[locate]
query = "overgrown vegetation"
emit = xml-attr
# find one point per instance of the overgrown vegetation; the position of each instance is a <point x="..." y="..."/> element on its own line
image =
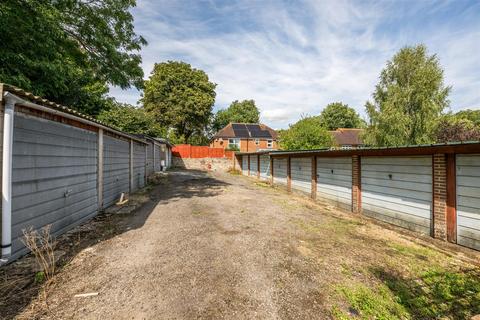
<point x="70" y="51"/>
<point x="408" y="100"/>
<point x="42" y="245"/>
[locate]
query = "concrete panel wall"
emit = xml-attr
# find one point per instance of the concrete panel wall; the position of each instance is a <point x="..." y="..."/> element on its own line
<point x="301" y="173"/>
<point x="116" y="169"/>
<point x="54" y="176"/>
<point x="334" y="180"/>
<point x="398" y="190"/>
<point x="245" y="165"/>
<point x="138" y="166"/>
<point x="253" y="165"/>
<point x="280" y="171"/>
<point x="264" y="167"/>
<point x="468" y="200"/>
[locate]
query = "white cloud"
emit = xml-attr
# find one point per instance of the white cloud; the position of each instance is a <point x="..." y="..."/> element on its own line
<point x="295" y="59"/>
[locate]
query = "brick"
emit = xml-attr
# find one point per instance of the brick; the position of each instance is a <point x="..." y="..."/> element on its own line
<point x="440" y="196"/>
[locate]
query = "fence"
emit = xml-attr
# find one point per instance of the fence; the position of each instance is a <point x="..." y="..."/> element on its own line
<point x="65" y="167"/>
<point x="189" y="151"/>
<point x="432" y="190"/>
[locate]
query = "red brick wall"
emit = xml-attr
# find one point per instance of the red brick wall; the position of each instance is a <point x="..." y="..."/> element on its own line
<point x="356" y="185"/>
<point x="440" y="196"/>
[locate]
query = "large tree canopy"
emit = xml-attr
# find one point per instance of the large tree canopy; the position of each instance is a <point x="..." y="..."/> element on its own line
<point x="180" y="97"/>
<point x="306" y="134"/>
<point x="242" y="112"/>
<point x="338" y="115"/>
<point x="131" y="119"/>
<point x="408" y="100"/>
<point x="69" y="51"/>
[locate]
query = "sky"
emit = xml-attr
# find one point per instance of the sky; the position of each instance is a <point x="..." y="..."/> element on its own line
<point x="295" y="57"/>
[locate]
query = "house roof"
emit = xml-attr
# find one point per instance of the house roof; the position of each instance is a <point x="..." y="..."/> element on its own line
<point x="246" y="130"/>
<point x="347" y="136"/>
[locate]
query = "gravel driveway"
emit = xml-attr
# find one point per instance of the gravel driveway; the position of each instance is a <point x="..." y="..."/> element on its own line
<point x="220" y="246"/>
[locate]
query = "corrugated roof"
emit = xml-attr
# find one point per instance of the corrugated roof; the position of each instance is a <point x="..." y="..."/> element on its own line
<point x="55" y="106"/>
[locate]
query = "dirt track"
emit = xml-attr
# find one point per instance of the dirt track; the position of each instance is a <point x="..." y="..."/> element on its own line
<point x="221" y="247"/>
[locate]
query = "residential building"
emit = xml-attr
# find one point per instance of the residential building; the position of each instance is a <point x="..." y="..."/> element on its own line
<point x="245" y="137"/>
<point x="347" y="138"/>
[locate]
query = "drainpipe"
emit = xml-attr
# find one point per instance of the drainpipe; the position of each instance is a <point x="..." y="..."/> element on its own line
<point x="8" y="115"/>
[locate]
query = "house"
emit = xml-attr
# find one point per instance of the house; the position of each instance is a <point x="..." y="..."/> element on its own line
<point x="347" y="138"/>
<point x="245" y="137"/>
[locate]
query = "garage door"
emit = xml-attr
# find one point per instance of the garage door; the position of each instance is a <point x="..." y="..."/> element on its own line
<point x="398" y="190"/>
<point x="468" y="201"/>
<point x="254" y="165"/>
<point x="301" y="171"/>
<point x="334" y="180"/>
<point x="116" y="169"/>
<point x="245" y="165"/>
<point x="139" y="157"/>
<point x="280" y="171"/>
<point x="264" y="167"/>
<point x="54" y="179"/>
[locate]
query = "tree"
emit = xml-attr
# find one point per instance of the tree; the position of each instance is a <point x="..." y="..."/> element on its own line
<point x="472" y="115"/>
<point x="455" y="128"/>
<point x="180" y="97"/>
<point x="69" y="51"/>
<point x="241" y="112"/>
<point x="338" y="115"/>
<point x="306" y="134"/>
<point x="408" y="100"/>
<point x="131" y="119"/>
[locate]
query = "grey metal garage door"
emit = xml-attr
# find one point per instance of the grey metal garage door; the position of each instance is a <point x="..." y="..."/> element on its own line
<point x="301" y="172"/>
<point x="253" y="165"/>
<point x="264" y="167"/>
<point x="116" y="169"/>
<point x="280" y="170"/>
<point x="398" y="190"/>
<point x="245" y="165"/>
<point x="54" y="176"/>
<point x="150" y="164"/>
<point x="138" y="166"/>
<point x="468" y="200"/>
<point x="334" y="180"/>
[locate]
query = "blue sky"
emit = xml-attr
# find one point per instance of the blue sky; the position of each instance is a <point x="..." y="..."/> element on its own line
<point x="295" y="57"/>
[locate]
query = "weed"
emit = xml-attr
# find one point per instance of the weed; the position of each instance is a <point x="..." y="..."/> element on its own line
<point x="40" y="277"/>
<point x="370" y="303"/>
<point x="234" y="172"/>
<point x="436" y="292"/>
<point x="262" y="184"/>
<point x="42" y="245"/>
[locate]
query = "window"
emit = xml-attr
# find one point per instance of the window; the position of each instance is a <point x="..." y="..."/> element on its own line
<point x="269" y="143"/>
<point x="346" y="147"/>
<point x="234" y="143"/>
<point x="257" y="142"/>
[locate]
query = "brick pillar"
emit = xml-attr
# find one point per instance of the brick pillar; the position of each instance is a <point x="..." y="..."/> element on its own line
<point x="356" y="184"/>
<point x="440" y="196"/>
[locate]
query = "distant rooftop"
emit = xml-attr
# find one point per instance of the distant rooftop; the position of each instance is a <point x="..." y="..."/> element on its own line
<point x="246" y="131"/>
<point x="347" y="136"/>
